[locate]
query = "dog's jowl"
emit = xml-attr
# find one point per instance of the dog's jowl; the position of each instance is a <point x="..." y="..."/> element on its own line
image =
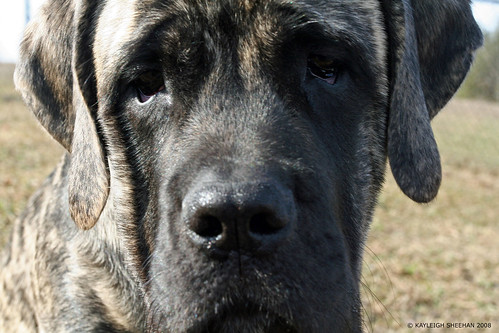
<point x="223" y="157"/>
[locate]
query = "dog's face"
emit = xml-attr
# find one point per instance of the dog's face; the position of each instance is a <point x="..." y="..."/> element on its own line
<point x="255" y="135"/>
<point x="239" y="146"/>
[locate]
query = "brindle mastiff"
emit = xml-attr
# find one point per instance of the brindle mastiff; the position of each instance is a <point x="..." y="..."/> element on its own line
<point x="223" y="157"/>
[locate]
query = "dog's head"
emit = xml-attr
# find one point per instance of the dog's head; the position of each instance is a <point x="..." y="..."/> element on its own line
<point x="240" y="145"/>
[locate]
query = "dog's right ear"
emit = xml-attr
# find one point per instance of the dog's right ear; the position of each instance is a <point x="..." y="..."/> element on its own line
<point x="56" y="78"/>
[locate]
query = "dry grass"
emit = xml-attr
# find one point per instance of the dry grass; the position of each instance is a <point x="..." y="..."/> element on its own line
<point x="424" y="263"/>
<point x="27" y="153"/>
<point x="440" y="262"/>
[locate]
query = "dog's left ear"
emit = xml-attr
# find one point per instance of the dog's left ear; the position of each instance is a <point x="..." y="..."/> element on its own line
<point x="431" y="47"/>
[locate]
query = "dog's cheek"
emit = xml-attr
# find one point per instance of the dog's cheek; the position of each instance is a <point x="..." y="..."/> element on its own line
<point x="351" y="126"/>
<point x="138" y="134"/>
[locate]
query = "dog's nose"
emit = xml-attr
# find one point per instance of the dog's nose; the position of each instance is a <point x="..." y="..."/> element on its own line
<point x="251" y="217"/>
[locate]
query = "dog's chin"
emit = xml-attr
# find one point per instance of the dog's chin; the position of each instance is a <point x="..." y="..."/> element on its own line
<point x="249" y="317"/>
<point x="252" y="318"/>
<point x="242" y="319"/>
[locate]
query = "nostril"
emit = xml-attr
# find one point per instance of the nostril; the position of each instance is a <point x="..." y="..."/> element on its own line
<point x="208" y="226"/>
<point x="264" y="224"/>
<point x="252" y="217"/>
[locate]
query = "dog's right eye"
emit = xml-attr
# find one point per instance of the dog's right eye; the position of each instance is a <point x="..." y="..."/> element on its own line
<point x="148" y="85"/>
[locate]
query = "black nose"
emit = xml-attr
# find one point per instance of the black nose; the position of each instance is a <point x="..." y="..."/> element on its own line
<point x="251" y="217"/>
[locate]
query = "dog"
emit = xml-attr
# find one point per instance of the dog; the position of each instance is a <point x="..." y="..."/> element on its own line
<point x="223" y="157"/>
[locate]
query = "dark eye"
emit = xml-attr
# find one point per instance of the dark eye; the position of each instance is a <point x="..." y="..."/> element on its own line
<point x="323" y="68"/>
<point x="149" y="84"/>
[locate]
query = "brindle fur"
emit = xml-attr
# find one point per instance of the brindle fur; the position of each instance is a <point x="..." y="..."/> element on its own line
<point x="240" y="113"/>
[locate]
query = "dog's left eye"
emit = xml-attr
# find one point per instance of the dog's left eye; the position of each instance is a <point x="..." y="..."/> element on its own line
<point x="149" y="84"/>
<point x="323" y="68"/>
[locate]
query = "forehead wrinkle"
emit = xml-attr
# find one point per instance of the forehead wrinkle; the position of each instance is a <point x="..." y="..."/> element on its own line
<point x="266" y="28"/>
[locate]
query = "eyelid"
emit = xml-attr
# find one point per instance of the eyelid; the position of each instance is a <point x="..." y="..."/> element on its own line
<point x="323" y="61"/>
<point x="133" y="72"/>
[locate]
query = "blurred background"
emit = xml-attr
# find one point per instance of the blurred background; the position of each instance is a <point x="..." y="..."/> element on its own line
<point x="434" y="263"/>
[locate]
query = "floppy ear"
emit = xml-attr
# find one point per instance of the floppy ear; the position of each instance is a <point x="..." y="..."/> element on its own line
<point x="56" y="77"/>
<point x="431" y="46"/>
